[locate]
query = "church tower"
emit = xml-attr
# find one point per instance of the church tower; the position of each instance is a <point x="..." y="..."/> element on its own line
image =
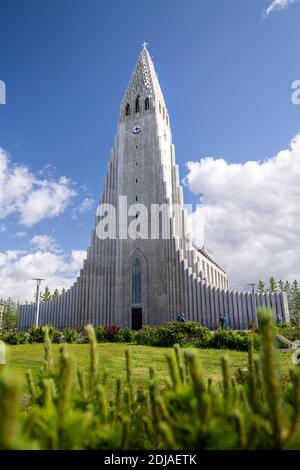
<point x="146" y="270"/>
<point x="142" y="272"/>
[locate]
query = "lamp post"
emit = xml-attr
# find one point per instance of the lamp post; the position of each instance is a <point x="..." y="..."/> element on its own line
<point x="38" y="283"/>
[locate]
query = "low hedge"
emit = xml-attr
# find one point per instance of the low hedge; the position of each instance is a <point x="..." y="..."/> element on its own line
<point x="291" y="332"/>
<point x="192" y="333"/>
<point x="125" y="335"/>
<point x="182" y="333"/>
<point x="235" y="340"/>
<point x="174" y="333"/>
<point x="114" y="334"/>
<point x="14" y="338"/>
<point x="70" y="335"/>
<point x="36" y="334"/>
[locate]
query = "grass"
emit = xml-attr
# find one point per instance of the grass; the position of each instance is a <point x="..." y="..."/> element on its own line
<point x="112" y="361"/>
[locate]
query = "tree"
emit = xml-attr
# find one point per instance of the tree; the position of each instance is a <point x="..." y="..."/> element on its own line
<point x="261" y="288"/>
<point x="281" y="285"/>
<point x="46" y="295"/>
<point x="294" y="290"/>
<point x="273" y="288"/>
<point x="293" y="294"/>
<point x="287" y="287"/>
<point x="34" y="297"/>
<point x="55" y="294"/>
<point x="10" y="313"/>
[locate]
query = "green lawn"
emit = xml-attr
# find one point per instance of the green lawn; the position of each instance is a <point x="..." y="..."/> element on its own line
<point x="112" y="360"/>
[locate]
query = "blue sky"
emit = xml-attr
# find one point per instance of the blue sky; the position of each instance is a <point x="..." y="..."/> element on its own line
<point x="226" y="74"/>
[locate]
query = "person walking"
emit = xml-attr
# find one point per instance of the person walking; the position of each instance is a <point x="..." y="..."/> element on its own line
<point x="222" y="320"/>
<point x="181" y="317"/>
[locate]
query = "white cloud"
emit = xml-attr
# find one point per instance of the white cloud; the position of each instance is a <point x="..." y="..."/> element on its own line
<point x="277" y="5"/>
<point x="45" y="243"/>
<point x="84" y="206"/>
<point x="17" y="268"/>
<point x="20" y="234"/>
<point x="31" y="198"/>
<point x="252" y="214"/>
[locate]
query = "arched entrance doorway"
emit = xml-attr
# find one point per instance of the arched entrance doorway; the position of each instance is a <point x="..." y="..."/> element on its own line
<point x="136" y="290"/>
<point x="137" y="309"/>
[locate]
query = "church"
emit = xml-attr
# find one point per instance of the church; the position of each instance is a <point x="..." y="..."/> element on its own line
<point x="157" y="273"/>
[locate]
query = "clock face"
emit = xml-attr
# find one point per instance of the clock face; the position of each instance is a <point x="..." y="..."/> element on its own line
<point x="136" y="129"/>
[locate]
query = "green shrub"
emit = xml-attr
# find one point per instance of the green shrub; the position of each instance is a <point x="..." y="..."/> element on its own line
<point x="14" y="338"/>
<point x="291" y="332"/>
<point x="145" y="336"/>
<point x="55" y="336"/>
<point x="125" y="335"/>
<point x="235" y="340"/>
<point x="101" y="335"/>
<point x="70" y="335"/>
<point x="36" y="334"/>
<point x="167" y="335"/>
<point x="193" y="332"/>
<point x="174" y="333"/>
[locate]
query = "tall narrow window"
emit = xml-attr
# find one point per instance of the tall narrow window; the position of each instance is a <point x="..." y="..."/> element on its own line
<point x="137" y="104"/>
<point x="147" y="104"/>
<point x="127" y="109"/>
<point x="136" y="283"/>
<point x="159" y="107"/>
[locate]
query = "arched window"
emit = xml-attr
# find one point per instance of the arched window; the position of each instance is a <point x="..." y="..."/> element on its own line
<point x="127" y="109"/>
<point x="137" y="104"/>
<point x="147" y="104"/>
<point x="136" y="283"/>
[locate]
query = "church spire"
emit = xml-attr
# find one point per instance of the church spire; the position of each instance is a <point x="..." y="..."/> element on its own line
<point x="144" y="81"/>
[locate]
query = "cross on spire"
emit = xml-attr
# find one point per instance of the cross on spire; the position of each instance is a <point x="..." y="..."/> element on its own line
<point x="145" y="44"/>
